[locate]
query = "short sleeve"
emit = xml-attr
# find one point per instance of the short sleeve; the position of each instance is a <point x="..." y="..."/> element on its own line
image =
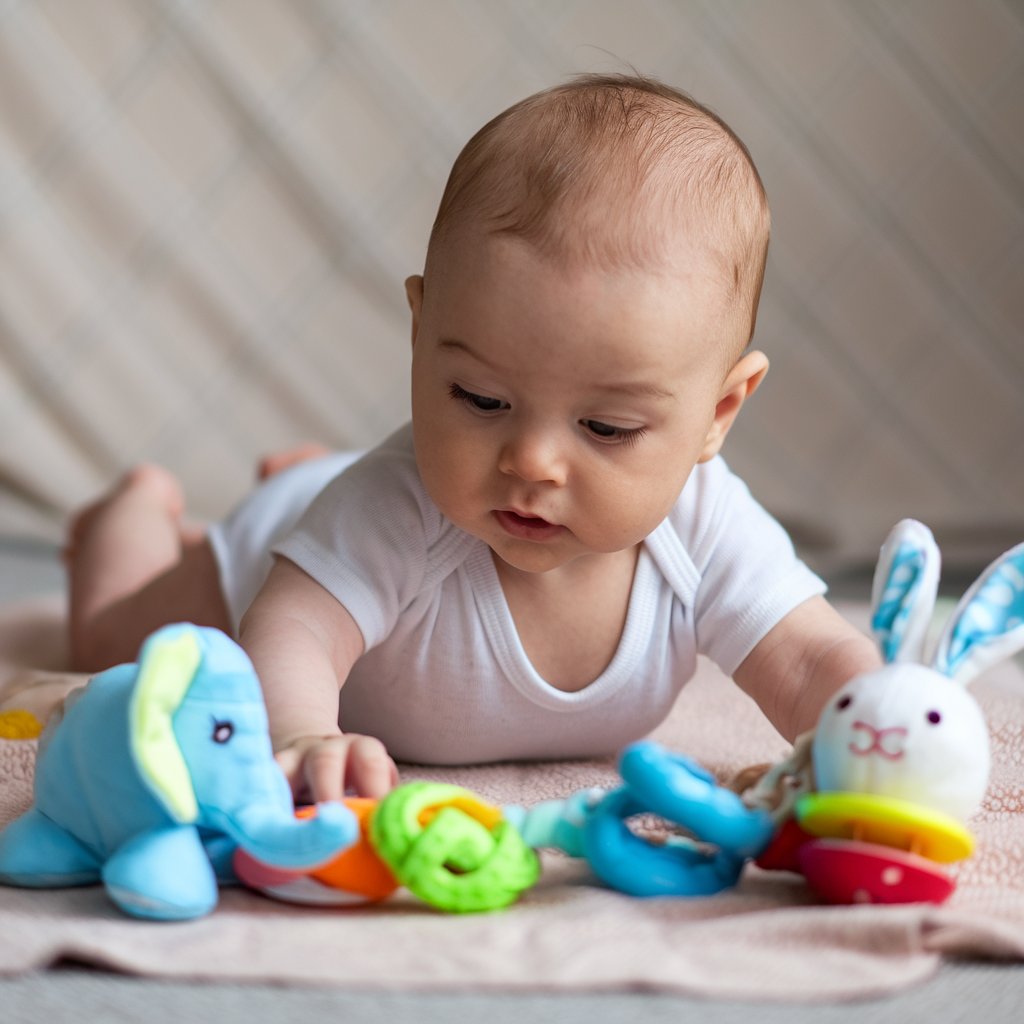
<point x="750" y="575"/>
<point x="366" y="539"/>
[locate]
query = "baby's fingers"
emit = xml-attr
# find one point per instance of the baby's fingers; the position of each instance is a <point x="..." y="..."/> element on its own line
<point x="289" y="760"/>
<point x="370" y="771"/>
<point x="324" y="769"/>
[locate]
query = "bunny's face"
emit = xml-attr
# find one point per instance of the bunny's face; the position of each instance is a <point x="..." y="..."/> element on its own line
<point x="905" y="732"/>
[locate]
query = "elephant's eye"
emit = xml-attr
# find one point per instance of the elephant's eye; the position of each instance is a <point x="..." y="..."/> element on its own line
<point x="222" y="731"/>
<point x="844" y="702"/>
<point x="934" y="717"/>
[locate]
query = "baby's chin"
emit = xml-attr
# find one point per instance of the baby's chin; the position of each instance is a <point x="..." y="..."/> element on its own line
<point x="532" y="557"/>
<point x="526" y="566"/>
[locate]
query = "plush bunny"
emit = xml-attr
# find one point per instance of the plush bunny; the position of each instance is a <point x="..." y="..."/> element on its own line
<point x="911" y="731"/>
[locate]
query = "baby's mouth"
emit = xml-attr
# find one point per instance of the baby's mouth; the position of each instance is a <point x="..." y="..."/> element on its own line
<point x="526" y="520"/>
<point x="525" y="527"/>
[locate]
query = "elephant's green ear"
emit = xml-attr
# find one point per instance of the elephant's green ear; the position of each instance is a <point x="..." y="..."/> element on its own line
<point x="167" y="666"/>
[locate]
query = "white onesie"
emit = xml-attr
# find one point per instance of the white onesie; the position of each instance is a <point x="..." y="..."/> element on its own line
<point x="445" y="679"/>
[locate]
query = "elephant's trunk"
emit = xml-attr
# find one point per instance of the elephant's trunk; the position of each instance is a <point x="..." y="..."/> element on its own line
<point x="288" y="842"/>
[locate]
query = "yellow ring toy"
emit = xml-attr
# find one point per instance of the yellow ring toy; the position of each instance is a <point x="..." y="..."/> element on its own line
<point x="886" y="821"/>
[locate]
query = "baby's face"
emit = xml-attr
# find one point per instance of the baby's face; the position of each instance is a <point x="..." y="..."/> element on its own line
<point x="558" y="412"/>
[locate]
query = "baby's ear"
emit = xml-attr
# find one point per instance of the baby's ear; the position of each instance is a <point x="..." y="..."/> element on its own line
<point x="743" y="380"/>
<point x="414" y="296"/>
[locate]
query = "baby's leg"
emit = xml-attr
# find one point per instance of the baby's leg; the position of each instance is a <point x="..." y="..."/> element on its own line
<point x="133" y="568"/>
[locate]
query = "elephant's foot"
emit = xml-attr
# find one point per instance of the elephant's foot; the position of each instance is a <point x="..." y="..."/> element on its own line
<point x="163" y="875"/>
<point x="37" y="853"/>
<point x="220" y="852"/>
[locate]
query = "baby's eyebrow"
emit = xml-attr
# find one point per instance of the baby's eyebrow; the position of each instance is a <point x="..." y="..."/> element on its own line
<point x="454" y="345"/>
<point x="638" y="389"/>
<point x="631" y="389"/>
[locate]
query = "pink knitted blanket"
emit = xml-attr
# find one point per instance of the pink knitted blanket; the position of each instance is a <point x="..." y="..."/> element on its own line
<point x="765" y="939"/>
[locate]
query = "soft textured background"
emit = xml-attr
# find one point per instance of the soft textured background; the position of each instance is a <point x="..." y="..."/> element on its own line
<point x="207" y="208"/>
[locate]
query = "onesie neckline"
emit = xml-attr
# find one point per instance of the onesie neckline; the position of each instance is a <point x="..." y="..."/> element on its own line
<point x="501" y="632"/>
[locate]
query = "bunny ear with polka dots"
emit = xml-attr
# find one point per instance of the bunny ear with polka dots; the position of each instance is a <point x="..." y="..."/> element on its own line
<point x="904" y="589"/>
<point x="988" y="623"/>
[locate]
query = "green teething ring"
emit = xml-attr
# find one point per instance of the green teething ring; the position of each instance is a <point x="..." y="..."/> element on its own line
<point x="450" y="849"/>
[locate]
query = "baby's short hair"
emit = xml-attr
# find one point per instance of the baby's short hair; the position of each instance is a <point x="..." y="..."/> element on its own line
<point x="615" y="170"/>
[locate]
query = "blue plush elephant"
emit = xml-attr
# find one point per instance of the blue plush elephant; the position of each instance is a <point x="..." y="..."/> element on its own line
<point x="154" y="774"/>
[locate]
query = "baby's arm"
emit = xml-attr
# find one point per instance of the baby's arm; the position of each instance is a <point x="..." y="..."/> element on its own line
<point x="801" y="662"/>
<point x="303" y="643"/>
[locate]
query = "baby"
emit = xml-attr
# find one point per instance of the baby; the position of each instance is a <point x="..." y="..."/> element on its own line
<point x="531" y="567"/>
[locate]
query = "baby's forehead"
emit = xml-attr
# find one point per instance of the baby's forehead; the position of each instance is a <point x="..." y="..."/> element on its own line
<point x="484" y="279"/>
<point x="599" y="243"/>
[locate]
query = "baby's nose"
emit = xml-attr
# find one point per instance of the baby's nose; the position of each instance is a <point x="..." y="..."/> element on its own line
<point x="534" y="456"/>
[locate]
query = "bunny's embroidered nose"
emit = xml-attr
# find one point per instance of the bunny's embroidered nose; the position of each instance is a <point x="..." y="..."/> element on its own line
<point x="887" y="743"/>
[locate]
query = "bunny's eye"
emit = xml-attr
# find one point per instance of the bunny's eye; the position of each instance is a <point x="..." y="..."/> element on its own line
<point x="934" y="717"/>
<point x="843" y="703"/>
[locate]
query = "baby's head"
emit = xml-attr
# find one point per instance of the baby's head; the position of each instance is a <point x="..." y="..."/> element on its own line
<point x="591" y="284"/>
<point x="616" y="172"/>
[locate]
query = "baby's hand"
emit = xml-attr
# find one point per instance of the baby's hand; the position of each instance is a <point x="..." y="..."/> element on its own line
<point x="322" y="767"/>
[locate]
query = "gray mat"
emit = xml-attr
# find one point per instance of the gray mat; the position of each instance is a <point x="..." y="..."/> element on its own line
<point x="968" y="992"/>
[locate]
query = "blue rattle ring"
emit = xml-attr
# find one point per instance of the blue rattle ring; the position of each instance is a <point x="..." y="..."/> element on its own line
<point x="682" y="791"/>
<point x="678" y="790"/>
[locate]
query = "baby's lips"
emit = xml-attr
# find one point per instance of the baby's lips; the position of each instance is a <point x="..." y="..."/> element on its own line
<point x="527" y="517"/>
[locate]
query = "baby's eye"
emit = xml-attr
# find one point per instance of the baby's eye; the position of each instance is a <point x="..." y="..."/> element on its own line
<point x="618" y="435"/>
<point x="482" y="403"/>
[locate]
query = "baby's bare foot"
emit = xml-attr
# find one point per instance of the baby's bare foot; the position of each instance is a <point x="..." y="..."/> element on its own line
<point x="118" y="548"/>
<point x="146" y="483"/>
<point x="277" y="461"/>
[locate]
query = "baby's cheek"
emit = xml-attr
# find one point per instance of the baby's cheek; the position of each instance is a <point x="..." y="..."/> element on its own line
<point x="618" y="517"/>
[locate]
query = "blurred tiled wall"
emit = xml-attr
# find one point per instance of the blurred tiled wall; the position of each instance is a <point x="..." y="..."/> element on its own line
<point x="207" y="209"/>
